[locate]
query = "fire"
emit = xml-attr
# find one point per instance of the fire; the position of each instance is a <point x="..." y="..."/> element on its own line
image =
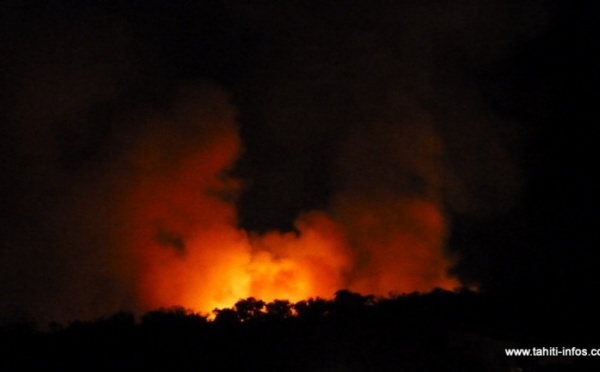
<point x="297" y="266"/>
<point x="179" y="218"/>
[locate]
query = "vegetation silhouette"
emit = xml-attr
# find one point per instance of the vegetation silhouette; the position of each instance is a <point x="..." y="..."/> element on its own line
<point x="438" y="331"/>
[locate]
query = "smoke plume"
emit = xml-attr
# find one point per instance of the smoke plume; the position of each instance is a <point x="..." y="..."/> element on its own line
<point x="164" y="155"/>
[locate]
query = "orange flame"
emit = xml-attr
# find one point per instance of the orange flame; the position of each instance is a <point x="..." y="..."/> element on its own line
<point x="181" y="227"/>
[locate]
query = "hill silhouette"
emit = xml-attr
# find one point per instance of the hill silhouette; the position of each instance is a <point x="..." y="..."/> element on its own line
<point x="437" y="331"/>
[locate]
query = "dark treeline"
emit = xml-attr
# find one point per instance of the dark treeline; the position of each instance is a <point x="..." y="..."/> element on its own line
<point x="438" y="331"/>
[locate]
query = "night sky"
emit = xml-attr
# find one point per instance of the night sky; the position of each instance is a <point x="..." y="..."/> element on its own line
<point x="438" y="143"/>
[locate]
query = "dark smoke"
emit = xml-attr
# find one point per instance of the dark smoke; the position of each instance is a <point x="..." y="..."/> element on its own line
<point x="377" y="110"/>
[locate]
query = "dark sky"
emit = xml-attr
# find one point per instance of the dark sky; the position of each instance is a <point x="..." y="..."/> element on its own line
<point x="485" y="110"/>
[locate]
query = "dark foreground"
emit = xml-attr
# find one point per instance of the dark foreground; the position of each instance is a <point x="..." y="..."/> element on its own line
<point x="440" y="331"/>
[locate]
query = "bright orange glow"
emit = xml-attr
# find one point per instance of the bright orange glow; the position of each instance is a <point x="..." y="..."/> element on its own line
<point x="179" y="222"/>
<point x="295" y="267"/>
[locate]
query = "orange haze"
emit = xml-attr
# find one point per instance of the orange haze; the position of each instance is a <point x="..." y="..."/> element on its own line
<point x="180" y="223"/>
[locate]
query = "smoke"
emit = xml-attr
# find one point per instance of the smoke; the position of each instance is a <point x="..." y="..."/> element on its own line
<point x="391" y="205"/>
<point x="177" y="218"/>
<point x="62" y="90"/>
<point x="187" y="165"/>
<point x="384" y="232"/>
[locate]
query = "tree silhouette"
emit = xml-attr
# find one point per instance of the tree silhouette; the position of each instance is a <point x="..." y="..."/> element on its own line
<point x="440" y="330"/>
<point x="175" y="319"/>
<point x="249" y="308"/>
<point x="225" y="317"/>
<point x="351" y="303"/>
<point x="279" y="309"/>
<point x="312" y="308"/>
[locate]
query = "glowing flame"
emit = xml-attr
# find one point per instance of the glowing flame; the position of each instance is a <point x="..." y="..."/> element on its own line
<point x="294" y="267"/>
<point x="180" y="220"/>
